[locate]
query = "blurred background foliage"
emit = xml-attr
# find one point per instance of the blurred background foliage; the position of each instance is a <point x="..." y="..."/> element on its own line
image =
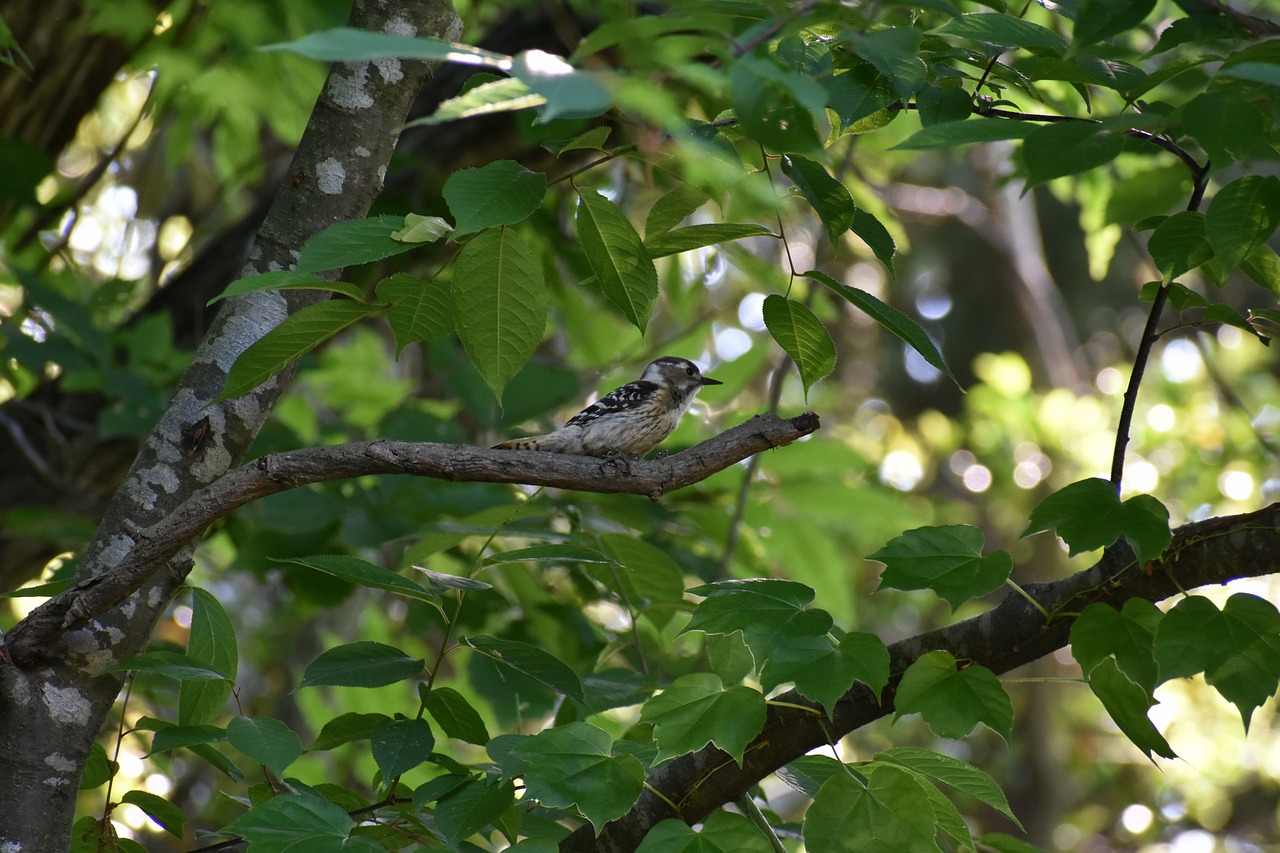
<point x="1032" y="297"/>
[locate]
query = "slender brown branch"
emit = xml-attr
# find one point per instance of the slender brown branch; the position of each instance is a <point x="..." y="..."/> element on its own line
<point x="267" y="475"/>
<point x="1009" y="635"/>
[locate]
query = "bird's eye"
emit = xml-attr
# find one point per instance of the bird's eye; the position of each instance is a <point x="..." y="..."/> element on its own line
<point x="691" y="370"/>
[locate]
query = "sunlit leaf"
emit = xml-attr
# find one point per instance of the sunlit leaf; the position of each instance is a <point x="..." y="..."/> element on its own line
<point x="1089" y="514"/>
<point x="500" y="304"/>
<point x="354" y="242"/>
<point x="499" y="193"/>
<point x="947" y="560"/>
<point x="693" y="237"/>
<point x="1241" y="216"/>
<point x="347" y="44"/>
<point x="1237" y="648"/>
<point x="892" y="814"/>
<point x="802" y="336"/>
<point x="960" y="775"/>
<point x="1128" y="702"/>
<point x="401" y="744"/>
<point x="288" y="280"/>
<point x="1100" y="631"/>
<point x="455" y="715"/>
<point x="828" y="197"/>
<point x="265" y="740"/>
<point x="1002" y="30"/>
<point x="361" y="664"/>
<point x="722" y="832"/>
<point x="419" y="309"/>
<point x="952" y="701"/>
<point x="298" y="334"/>
<point x="168" y="816"/>
<point x="1179" y="244"/>
<point x="534" y="662"/>
<point x="696" y="709"/>
<point x="211" y="639"/>
<point x="618" y="257"/>
<point x="574" y="765"/>
<point x="890" y="318"/>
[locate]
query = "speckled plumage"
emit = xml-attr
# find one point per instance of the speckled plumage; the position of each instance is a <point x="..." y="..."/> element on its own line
<point x="632" y="419"/>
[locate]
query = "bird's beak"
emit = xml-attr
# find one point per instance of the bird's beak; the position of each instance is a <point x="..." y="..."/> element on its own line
<point x="707" y="380"/>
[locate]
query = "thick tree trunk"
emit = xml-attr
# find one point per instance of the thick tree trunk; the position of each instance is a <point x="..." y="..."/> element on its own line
<point x="50" y="714"/>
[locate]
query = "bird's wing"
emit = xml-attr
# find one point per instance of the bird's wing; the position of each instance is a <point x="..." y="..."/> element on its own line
<point x="621" y="399"/>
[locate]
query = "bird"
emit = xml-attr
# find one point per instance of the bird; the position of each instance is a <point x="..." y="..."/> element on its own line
<point x="630" y="420"/>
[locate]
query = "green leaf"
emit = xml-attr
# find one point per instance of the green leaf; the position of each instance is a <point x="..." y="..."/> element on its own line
<point x="569" y="92"/>
<point x="1241" y="216"/>
<point x="1100" y="632"/>
<point x="1098" y="20"/>
<point x="943" y="105"/>
<point x="1237" y="648"/>
<point x="174" y="665"/>
<point x="401" y="744"/>
<point x="808" y="773"/>
<point x="573" y="764"/>
<point x="696" y="709"/>
<point x="347" y="44"/>
<point x="534" y="662"/>
<point x="361" y="664"/>
<point x="1128" y="702"/>
<point x="1088" y="515"/>
<point x="168" y="816"/>
<point x="346" y="728"/>
<point x="1263" y="266"/>
<point x="828" y="197"/>
<point x="298" y="334"/>
<point x="877" y="237"/>
<point x="1001" y="842"/>
<point x="420" y="309"/>
<point x="618" y="257"/>
<point x="777" y="108"/>
<point x="364" y="573"/>
<point x="953" y="772"/>
<point x="553" y="553"/>
<point x="857" y="94"/>
<point x="499" y="193"/>
<point x="723" y="832"/>
<point x="211" y="639"/>
<point x="1179" y="244"/>
<point x="1068" y="148"/>
<point x="672" y="209"/>
<point x="471" y="807"/>
<point x="592" y="140"/>
<point x="293" y="822"/>
<point x="500" y="304"/>
<point x="953" y="701"/>
<point x="947" y="560"/>
<point x="356" y="241"/>
<point x="890" y="318"/>
<point x="697" y="236"/>
<point x="648" y="574"/>
<point x="823" y="670"/>
<point x="98" y="769"/>
<point x="265" y="740"/>
<point x="455" y="715"/>
<point x="767" y="612"/>
<point x="1001" y="30"/>
<point x="422" y="229"/>
<point x="802" y="336"/>
<point x="894" y="52"/>
<point x="952" y="133"/>
<point x="497" y="96"/>
<point x="287" y="280"/>
<point x="1226" y="125"/>
<point x="892" y="814"/>
<point x="178" y="737"/>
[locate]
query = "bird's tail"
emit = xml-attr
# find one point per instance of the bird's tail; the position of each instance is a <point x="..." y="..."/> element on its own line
<point x="529" y="442"/>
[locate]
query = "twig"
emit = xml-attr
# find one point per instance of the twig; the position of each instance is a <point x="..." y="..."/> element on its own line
<point x="36" y="635"/>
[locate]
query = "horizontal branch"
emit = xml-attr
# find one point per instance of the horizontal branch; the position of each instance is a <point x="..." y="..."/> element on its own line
<point x="34" y="637"/>
<point x="1009" y="635"/>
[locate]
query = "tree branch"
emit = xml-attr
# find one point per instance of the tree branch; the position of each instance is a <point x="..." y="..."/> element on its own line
<point x="155" y="545"/>
<point x="1009" y="635"/>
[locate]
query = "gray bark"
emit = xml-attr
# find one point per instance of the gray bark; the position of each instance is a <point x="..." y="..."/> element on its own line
<point x="51" y="713"/>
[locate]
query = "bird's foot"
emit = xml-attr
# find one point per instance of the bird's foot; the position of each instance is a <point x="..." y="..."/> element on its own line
<point x="615" y="463"/>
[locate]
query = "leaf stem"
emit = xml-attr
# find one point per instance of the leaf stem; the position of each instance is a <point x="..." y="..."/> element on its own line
<point x="1022" y="592"/>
